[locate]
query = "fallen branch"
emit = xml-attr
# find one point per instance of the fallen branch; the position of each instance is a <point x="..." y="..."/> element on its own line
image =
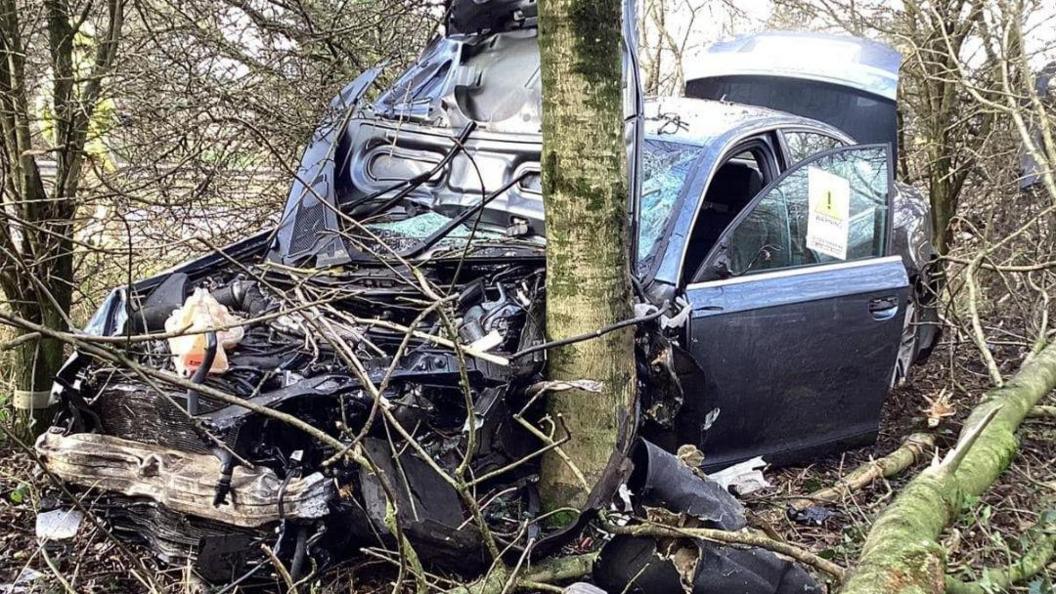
<point x="912" y="450"/>
<point x="561" y="569"/>
<point x="547" y="572"/>
<point x="746" y="537"/>
<point x="901" y="554"/>
<point x="1033" y="561"/>
<point x="1042" y="412"/>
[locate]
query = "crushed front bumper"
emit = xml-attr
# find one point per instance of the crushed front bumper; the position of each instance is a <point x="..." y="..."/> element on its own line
<point x="184" y="482"/>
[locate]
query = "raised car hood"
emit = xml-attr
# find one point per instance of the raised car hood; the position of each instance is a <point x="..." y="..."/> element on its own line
<point x="847" y="82"/>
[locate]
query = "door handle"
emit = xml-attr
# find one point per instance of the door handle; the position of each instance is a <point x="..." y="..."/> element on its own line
<point x="883" y="308"/>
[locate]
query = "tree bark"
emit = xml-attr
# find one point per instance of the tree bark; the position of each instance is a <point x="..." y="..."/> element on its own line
<point x="902" y="554"/>
<point x="584" y="173"/>
<point x="35" y="364"/>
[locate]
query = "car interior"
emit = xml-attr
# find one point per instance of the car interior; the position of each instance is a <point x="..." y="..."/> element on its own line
<point x="733" y="186"/>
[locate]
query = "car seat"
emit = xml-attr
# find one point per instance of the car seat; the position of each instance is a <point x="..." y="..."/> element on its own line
<point x="731" y="189"/>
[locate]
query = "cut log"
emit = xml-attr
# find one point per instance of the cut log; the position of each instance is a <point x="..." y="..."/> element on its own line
<point x="901" y="554"/>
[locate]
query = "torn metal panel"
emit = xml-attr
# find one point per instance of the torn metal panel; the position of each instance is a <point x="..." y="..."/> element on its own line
<point x="183" y="481"/>
<point x="308" y="224"/>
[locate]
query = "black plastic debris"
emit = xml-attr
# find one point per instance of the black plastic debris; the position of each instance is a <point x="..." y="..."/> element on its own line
<point x="660" y="479"/>
<point x="634" y="565"/>
<point x="427" y="508"/>
<point x="815" y="515"/>
<point x="160" y="304"/>
<point x="469" y="16"/>
<point x="644" y="565"/>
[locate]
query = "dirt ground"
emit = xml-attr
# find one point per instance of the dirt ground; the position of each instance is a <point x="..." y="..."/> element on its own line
<point x="990" y="533"/>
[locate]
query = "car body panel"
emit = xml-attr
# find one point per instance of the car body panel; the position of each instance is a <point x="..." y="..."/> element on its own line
<point x="856" y="63"/>
<point x="312" y="193"/>
<point x="848" y="82"/>
<point x="768" y="366"/>
<point x="763" y="342"/>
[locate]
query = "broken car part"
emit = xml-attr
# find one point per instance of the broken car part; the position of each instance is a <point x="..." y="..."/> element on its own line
<point x="660" y="566"/>
<point x="638" y="565"/>
<point x="181" y="481"/>
<point x="662" y="480"/>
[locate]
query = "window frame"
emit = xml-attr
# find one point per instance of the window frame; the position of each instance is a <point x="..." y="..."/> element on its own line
<point x="708" y="271"/>
<point x="786" y="153"/>
<point x="767" y="144"/>
<point x="656" y="253"/>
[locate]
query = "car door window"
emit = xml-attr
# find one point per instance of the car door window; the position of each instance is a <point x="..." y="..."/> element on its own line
<point x="802" y="144"/>
<point x="833" y="207"/>
<point x="736" y="181"/>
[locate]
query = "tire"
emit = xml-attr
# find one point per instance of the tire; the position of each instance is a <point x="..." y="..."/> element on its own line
<point x="908" y="347"/>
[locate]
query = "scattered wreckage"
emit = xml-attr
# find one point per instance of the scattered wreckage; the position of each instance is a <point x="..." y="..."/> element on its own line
<point x="397" y="310"/>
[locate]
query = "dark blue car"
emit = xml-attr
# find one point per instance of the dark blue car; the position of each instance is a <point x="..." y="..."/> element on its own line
<point x="782" y="273"/>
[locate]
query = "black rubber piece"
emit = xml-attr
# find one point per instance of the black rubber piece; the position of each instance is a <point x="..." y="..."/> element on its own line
<point x="201" y="372"/>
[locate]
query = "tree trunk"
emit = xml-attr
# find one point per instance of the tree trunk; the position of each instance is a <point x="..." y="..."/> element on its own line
<point x="901" y="554"/>
<point x="36" y="256"/>
<point x="34" y="365"/>
<point x="587" y="272"/>
<point x="40" y="290"/>
<point x="45" y="301"/>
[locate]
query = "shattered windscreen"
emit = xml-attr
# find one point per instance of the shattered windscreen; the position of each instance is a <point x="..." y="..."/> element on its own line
<point x="666" y="168"/>
<point x="409" y="232"/>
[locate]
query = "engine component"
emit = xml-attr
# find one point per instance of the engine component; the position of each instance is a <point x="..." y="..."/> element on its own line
<point x="200" y="481"/>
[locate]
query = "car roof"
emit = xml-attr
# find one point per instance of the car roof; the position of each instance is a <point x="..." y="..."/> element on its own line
<point x="705" y="122"/>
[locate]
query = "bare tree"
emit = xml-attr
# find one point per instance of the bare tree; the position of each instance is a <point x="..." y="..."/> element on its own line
<point x="1012" y="250"/>
<point x="36" y="237"/>
<point x="670" y="30"/>
<point x="940" y="140"/>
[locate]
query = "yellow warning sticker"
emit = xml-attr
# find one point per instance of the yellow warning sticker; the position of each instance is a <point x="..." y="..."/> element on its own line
<point x="829" y="207"/>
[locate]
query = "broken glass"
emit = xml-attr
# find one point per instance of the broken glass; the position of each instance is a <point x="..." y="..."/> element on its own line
<point x="666" y="168"/>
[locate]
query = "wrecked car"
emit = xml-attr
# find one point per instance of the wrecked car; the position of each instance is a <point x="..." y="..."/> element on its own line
<point x="395" y="314"/>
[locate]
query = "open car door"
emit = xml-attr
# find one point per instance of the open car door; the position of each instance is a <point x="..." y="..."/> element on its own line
<point x="797" y="315"/>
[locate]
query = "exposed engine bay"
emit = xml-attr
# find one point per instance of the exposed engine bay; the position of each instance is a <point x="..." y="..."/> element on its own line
<point x="195" y="478"/>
